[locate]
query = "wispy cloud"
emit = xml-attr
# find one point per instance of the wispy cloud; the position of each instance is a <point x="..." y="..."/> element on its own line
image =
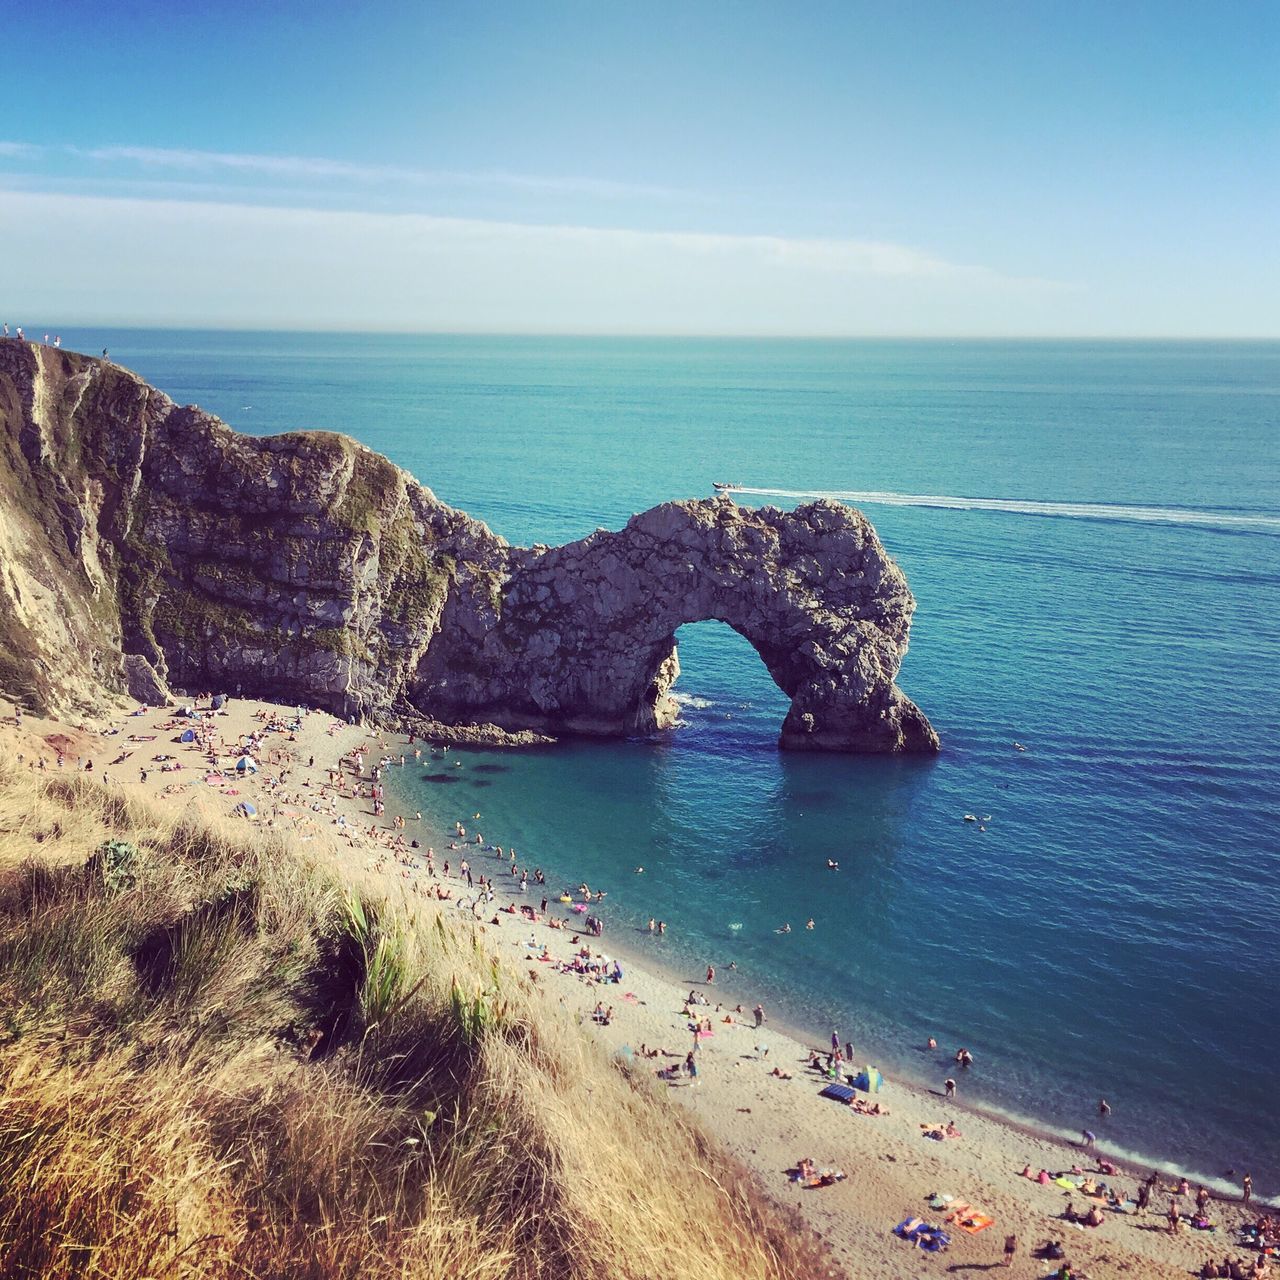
<point x="311" y="168"/>
<point x="205" y="263"/>
<point x="287" y="181"/>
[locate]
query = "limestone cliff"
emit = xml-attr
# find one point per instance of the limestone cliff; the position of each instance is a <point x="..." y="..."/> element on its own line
<point x="143" y="543"/>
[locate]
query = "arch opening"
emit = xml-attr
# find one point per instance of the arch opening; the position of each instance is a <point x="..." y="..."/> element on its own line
<point x="720" y="680"/>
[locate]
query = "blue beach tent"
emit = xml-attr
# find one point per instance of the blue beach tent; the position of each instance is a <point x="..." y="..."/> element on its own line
<point x="188" y="735"/>
<point x="869" y="1080"/>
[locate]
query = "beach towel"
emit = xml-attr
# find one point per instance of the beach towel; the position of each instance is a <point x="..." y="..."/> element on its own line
<point x="1066" y="1182"/>
<point x="974" y="1223"/>
<point x="840" y="1092"/>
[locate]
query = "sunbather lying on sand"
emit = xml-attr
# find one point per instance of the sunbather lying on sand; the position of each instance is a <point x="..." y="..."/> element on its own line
<point x="863" y="1108"/>
<point x="941" y="1132"/>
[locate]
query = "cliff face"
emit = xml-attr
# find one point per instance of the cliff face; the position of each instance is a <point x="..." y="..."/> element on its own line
<point x="141" y="543"/>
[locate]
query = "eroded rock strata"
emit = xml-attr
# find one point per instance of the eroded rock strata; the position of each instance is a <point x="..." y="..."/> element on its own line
<point x="144" y="544"/>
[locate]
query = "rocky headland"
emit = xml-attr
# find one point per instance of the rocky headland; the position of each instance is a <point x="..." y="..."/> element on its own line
<point x="147" y="547"/>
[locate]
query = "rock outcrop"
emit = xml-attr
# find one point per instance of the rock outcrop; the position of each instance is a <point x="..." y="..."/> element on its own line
<point x="143" y="544"/>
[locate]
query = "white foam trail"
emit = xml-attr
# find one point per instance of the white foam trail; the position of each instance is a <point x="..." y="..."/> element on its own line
<point x="1025" y="507"/>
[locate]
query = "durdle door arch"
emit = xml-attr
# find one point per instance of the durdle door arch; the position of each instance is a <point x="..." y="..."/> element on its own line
<point x="303" y="567"/>
<point x="585" y="637"/>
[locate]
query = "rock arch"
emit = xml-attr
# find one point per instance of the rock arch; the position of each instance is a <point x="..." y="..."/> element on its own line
<point x="145" y="544"/>
<point x="583" y="637"/>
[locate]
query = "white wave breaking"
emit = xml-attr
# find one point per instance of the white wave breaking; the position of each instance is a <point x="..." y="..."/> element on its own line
<point x="1029" y="507"/>
<point x="692" y="700"/>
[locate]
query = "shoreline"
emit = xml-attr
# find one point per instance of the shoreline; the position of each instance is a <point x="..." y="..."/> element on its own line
<point x="766" y="1121"/>
<point x="1133" y="1164"/>
<point x="666" y="967"/>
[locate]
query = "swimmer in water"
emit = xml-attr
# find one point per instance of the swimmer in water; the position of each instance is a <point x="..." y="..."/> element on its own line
<point x="786" y="928"/>
<point x="832" y="865"/>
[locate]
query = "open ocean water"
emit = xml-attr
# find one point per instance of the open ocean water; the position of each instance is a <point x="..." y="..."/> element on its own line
<point x="1111" y="600"/>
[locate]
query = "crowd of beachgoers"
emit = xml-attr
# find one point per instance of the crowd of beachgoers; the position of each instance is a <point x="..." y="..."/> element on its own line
<point x="951" y="1179"/>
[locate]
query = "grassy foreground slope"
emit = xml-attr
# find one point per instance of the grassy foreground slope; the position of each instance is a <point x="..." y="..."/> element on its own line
<point x="216" y="1062"/>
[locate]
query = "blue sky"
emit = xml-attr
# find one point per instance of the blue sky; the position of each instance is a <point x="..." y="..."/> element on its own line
<point x="934" y="168"/>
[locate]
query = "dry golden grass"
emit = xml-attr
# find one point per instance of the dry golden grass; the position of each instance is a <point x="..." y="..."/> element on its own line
<point x="214" y="1062"/>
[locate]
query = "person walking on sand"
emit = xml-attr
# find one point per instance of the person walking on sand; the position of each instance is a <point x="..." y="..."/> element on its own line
<point x="1247" y="1185"/>
<point x="949" y="1086"/>
<point x="759" y="1013"/>
<point x="1010" y="1248"/>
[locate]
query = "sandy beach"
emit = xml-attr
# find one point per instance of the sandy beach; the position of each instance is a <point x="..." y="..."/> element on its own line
<point x="755" y="1089"/>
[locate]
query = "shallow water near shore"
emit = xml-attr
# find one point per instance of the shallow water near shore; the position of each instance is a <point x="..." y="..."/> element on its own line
<point x="1113" y="931"/>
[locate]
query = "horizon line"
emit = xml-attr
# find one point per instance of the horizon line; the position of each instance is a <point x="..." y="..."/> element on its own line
<point x="744" y="335"/>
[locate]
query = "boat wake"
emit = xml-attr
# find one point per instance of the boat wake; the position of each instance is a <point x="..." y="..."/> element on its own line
<point x="1026" y="507"/>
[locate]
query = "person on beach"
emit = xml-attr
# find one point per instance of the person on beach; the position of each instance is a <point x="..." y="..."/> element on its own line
<point x="1088" y="1137"/>
<point x="949" y="1087"/>
<point x="1247" y="1186"/>
<point x="759" y="1013"/>
<point x="1010" y="1248"/>
<point x="711" y="975"/>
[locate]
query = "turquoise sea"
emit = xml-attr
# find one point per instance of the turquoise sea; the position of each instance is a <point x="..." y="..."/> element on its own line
<point x="1114" y="606"/>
